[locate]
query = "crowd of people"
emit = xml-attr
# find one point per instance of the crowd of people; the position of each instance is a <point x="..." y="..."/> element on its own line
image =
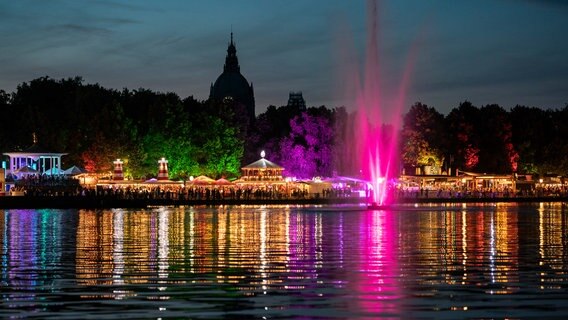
<point x="61" y="186"/>
<point x="46" y="188"/>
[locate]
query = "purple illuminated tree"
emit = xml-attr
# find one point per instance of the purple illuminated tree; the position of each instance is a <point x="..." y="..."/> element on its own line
<point x="307" y="151"/>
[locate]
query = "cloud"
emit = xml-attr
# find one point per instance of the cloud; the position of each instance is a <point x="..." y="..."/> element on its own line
<point x="470" y="51"/>
<point x="122" y="5"/>
<point x="81" y="29"/>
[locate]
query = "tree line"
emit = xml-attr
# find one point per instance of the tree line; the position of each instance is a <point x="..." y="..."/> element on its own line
<point x="487" y="139"/>
<point x="96" y="125"/>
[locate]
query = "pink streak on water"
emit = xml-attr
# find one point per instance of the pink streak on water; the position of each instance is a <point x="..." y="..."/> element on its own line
<point x="377" y="285"/>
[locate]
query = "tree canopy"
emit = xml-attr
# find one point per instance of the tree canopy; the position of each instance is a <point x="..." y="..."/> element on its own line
<point x="96" y="125"/>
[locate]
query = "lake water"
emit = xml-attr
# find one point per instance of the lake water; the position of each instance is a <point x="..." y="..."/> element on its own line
<point x="278" y="262"/>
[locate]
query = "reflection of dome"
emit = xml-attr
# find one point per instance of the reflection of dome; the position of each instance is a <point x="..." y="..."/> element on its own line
<point x="232" y="85"/>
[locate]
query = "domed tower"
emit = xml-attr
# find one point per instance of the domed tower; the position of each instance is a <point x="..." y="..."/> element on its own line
<point x="231" y="85"/>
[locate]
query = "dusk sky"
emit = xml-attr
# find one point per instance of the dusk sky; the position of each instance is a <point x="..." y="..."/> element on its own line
<point x="486" y="51"/>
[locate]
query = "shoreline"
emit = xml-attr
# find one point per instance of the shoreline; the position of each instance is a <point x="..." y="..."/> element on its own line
<point x="82" y="202"/>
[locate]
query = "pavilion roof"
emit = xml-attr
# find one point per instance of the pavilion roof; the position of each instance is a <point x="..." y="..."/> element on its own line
<point x="262" y="164"/>
<point x="35" y="150"/>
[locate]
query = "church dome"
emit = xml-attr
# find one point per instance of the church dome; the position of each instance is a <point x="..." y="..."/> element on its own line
<point x="232" y="85"/>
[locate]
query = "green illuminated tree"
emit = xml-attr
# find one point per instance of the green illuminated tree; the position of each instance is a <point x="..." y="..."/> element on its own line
<point x="422" y="136"/>
<point x="221" y="150"/>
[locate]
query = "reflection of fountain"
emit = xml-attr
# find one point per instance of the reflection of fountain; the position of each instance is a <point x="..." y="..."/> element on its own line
<point x="375" y="143"/>
<point x="377" y="284"/>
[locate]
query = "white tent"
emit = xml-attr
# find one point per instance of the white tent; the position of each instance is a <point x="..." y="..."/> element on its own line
<point x="26" y="170"/>
<point x="53" y="171"/>
<point x="74" y="170"/>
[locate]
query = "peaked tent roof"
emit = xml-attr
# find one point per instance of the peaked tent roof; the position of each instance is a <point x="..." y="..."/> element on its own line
<point x="26" y="169"/>
<point x="262" y="164"/>
<point x="223" y="181"/>
<point x="74" y="170"/>
<point x="53" y="171"/>
<point x="202" y="180"/>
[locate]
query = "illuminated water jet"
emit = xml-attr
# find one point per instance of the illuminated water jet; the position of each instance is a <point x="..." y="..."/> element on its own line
<point x="374" y="129"/>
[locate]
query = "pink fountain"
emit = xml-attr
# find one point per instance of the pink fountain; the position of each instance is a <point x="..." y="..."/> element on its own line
<point x="374" y="130"/>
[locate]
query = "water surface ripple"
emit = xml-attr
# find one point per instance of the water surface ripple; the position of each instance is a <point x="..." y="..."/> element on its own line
<point x="282" y="262"/>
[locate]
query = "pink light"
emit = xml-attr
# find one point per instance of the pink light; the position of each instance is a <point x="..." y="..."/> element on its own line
<point x="375" y="127"/>
<point x="376" y="283"/>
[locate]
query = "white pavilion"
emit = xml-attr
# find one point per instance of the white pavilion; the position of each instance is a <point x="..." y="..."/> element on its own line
<point x="34" y="159"/>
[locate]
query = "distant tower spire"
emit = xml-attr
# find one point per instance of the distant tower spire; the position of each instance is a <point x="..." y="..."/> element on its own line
<point x="231" y="61"/>
<point x="34" y="137"/>
<point x="232" y="84"/>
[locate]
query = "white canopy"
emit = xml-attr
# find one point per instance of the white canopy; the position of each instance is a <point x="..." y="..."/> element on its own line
<point x="53" y="171"/>
<point x="26" y="170"/>
<point x="73" y="171"/>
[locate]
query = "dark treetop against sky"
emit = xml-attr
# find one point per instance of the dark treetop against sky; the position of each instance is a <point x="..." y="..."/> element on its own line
<point x="486" y="51"/>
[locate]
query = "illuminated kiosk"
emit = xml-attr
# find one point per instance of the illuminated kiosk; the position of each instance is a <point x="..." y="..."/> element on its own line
<point x="163" y="175"/>
<point x="118" y="175"/>
<point x="36" y="158"/>
<point x="262" y="171"/>
<point x="263" y="174"/>
<point x="163" y="169"/>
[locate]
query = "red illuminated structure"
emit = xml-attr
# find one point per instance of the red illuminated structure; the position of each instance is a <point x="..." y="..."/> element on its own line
<point x="162" y="169"/>
<point x="118" y="175"/>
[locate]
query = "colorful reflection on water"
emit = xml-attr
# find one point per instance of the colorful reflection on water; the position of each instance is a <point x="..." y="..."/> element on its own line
<point x="445" y="261"/>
